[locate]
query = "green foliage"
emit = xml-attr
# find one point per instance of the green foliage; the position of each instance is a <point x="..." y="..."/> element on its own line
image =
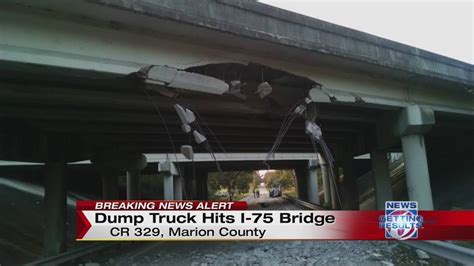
<point x="234" y="182"/>
<point x="255" y="181"/>
<point x="283" y="177"/>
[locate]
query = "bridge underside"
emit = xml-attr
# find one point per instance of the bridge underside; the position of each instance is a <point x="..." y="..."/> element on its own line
<point x="89" y="112"/>
<point x="52" y="114"/>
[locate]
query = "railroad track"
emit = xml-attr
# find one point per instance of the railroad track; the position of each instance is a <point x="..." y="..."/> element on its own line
<point x="75" y="254"/>
<point x="306" y="205"/>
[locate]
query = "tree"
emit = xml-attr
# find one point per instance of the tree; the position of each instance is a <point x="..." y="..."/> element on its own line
<point x="283" y="177"/>
<point x="232" y="181"/>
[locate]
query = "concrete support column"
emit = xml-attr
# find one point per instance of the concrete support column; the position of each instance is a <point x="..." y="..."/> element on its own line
<point x="199" y="192"/>
<point x="113" y="161"/>
<point x="204" y="188"/>
<point x="416" y="167"/>
<point x="350" y="195"/>
<point x="189" y="173"/>
<point x="171" y="172"/>
<point x="168" y="187"/>
<point x="201" y="185"/>
<point x="413" y="122"/>
<point x="381" y="177"/>
<point x="334" y="191"/>
<point x="178" y="188"/>
<point x="313" y="187"/>
<point x="326" y="182"/>
<point x="133" y="184"/>
<point x="110" y="185"/>
<point x="55" y="205"/>
<point x="301" y="183"/>
<point x="191" y="184"/>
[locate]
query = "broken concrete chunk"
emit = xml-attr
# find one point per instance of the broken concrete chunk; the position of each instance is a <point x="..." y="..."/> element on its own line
<point x="318" y="96"/>
<point x="313" y="130"/>
<point x="186" y="128"/>
<point x="422" y="255"/>
<point x="185" y="115"/>
<point x="180" y="79"/>
<point x="235" y="85"/>
<point x="376" y="256"/>
<point x="198" y="137"/>
<point x="161" y="74"/>
<point x="187" y="151"/>
<point x="341" y="96"/>
<point x="264" y="89"/>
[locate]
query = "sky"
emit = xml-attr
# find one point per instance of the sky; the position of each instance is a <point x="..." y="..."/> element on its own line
<point x="442" y="27"/>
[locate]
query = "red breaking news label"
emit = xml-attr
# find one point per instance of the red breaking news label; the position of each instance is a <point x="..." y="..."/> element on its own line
<point x="124" y="205"/>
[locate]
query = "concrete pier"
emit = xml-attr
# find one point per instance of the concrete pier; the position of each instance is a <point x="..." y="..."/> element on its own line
<point x="413" y="122"/>
<point x="55" y="209"/>
<point x="201" y="185"/>
<point x="417" y="175"/>
<point x="170" y="181"/>
<point x="178" y="188"/>
<point x="302" y="183"/>
<point x="168" y="186"/>
<point x="133" y="184"/>
<point x="110" y="185"/>
<point x="111" y="162"/>
<point x="381" y="177"/>
<point x="313" y="187"/>
<point x="334" y="188"/>
<point x="326" y="181"/>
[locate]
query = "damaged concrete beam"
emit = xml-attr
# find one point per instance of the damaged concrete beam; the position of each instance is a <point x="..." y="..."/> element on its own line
<point x="180" y="79"/>
<point x="318" y="96"/>
<point x="328" y="96"/>
<point x="325" y="95"/>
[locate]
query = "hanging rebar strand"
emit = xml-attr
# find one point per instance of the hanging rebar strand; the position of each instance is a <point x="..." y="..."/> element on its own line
<point x="316" y="136"/>
<point x="284" y="127"/>
<point x="160" y="115"/>
<point x="275" y="143"/>
<point x="190" y="125"/>
<point x="206" y="143"/>
<point x="280" y="137"/>
<point x="209" y="149"/>
<point x="210" y="131"/>
<point x="332" y="175"/>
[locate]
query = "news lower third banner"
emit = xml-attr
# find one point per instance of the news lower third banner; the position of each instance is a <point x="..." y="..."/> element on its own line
<point x="207" y="220"/>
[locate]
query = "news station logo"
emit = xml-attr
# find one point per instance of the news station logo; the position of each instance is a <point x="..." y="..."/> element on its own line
<point x="401" y="220"/>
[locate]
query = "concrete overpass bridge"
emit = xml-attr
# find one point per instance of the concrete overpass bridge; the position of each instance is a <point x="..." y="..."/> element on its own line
<point x="79" y="79"/>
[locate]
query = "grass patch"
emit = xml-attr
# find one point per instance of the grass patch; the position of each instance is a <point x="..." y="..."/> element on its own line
<point x="291" y="193"/>
<point x="466" y="244"/>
